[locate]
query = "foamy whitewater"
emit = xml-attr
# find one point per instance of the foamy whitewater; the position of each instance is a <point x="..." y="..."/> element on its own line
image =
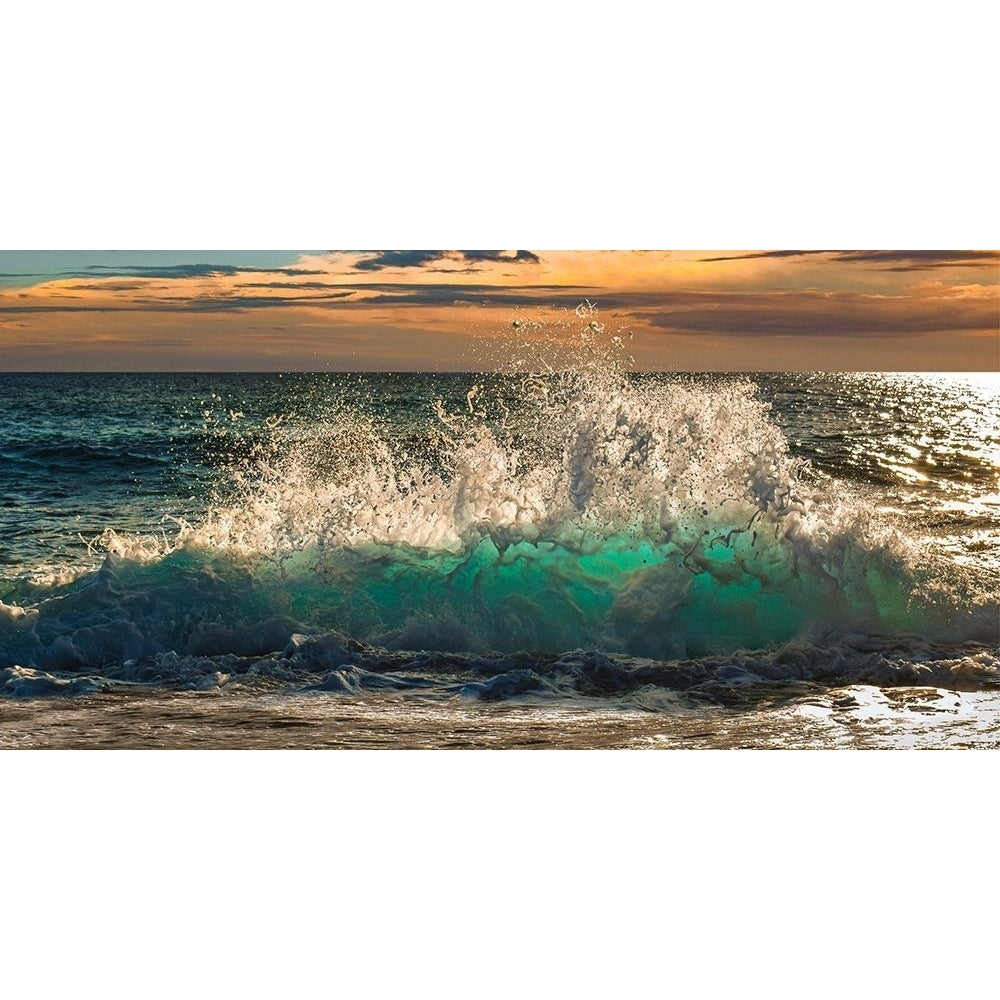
<point x="553" y="556"/>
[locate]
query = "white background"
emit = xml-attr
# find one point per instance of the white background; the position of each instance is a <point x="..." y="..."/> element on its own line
<point x="211" y="125"/>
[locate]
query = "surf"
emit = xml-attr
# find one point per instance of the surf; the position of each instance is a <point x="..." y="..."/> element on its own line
<point x="551" y="508"/>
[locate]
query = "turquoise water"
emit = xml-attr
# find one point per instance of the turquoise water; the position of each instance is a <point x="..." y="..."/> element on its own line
<point x="570" y="535"/>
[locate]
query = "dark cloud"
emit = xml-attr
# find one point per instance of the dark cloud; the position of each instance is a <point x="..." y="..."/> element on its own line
<point x="485" y="288"/>
<point x="919" y="260"/>
<point x="399" y="258"/>
<point x="821" y="314"/>
<point x="420" y="258"/>
<point x="520" y="256"/>
<point x="765" y="253"/>
<point x="181" y="270"/>
<point x="398" y="293"/>
<point x="111" y="286"/>
<point x="892" y="260"/>
<point x="286" y="284"/>
<point x="202" y="303"/>
<point x="227" y="303"/>
<point x="64" y="309"/>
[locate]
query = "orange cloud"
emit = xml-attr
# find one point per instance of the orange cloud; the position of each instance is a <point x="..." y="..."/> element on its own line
<point x="431" y="308"/>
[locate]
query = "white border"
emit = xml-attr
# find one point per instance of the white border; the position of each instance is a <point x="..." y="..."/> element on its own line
<point x="769" y="125"/>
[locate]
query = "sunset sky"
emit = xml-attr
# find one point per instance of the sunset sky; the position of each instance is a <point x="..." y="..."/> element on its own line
<point x="439" y="310"/>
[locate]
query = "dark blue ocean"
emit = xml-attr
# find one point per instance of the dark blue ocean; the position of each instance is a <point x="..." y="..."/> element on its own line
<point x="592" y="557"/>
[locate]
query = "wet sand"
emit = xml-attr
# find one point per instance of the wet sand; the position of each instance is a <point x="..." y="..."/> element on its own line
<point x="859" y="717"/>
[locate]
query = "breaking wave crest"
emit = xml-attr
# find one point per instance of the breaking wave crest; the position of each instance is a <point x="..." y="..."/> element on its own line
<point x="663" y="526"/>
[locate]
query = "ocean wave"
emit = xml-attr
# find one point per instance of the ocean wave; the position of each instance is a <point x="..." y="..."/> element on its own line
<point x="333" y="663"/>
<point x="665" y="526"/>
<point x="76" y="455"/>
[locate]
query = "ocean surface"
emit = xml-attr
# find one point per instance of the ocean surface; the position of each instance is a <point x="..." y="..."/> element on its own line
<point x="568" y="558"/>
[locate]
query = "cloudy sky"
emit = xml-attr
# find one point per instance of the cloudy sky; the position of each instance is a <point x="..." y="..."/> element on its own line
<point x="407" y="310"/>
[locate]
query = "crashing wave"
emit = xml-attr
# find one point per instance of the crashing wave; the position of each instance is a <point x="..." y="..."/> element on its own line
<point x="549" y="511"/>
